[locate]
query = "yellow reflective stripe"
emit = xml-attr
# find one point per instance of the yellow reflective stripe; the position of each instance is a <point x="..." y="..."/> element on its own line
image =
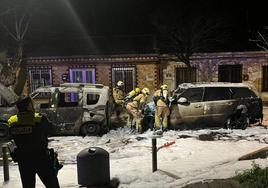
<point x="12" y="120"/>
<point x="24" y="119"/>
<point x="37" y="117"/>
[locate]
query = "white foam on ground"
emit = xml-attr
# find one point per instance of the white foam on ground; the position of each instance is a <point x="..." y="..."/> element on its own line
<point x="187" y="161"/>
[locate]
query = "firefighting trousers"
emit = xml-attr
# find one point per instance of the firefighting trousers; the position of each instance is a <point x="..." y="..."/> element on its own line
<point x="162" y="112"/>
<point x="134" y="113"/>
<point x="37" y="162"/>
<point x="118" y="109"/>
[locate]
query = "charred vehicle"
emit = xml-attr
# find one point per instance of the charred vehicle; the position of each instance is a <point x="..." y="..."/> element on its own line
<point x="75" y="108"/>
<point x="232" y="105"/>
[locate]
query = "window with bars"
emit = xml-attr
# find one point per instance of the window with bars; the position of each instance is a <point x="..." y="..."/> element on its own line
<point x="185" y="75"/>
<point x="125" y="74"/>
<point x="265" y="78"/>
<point x="230" y="73"/>
<point x="39" y="77"/>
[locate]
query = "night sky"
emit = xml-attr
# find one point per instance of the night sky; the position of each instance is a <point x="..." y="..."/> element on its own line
<point x="63" y="27"/>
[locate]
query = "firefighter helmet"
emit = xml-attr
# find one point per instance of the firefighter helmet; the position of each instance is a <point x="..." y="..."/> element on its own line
<point x="120" y="84"/>
<point x="137" y="90"/>
<point x="164" y="87"/>
<point x="146" y="91"/>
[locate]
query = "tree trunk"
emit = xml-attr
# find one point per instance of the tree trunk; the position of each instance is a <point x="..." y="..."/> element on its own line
<point x="20" y="79"/>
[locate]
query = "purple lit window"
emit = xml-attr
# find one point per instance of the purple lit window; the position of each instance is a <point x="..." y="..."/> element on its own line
<point x="82" y="76"/>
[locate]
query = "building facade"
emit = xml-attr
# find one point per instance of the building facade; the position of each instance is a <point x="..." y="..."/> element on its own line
<point x="151" y="70"/>
<point x="250" y="68"/>
<point x="133" y="70"/>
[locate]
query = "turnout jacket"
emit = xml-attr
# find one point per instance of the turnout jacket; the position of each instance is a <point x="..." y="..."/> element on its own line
<point x="160" y="100"/>
<point x="118" y="96"/>
<point x="30" y="131"/>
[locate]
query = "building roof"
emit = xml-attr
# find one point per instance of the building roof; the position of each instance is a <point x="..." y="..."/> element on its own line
<point x="96" y="59"/>
<point x="232" y="55"/>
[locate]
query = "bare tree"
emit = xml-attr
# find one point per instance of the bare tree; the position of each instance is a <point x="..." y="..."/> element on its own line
<point x="197" y="35"/>
<point x="261" y="39"/>
<point x="15" y="21"/>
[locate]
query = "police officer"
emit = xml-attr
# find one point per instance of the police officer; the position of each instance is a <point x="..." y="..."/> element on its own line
<point x="161" y="100"/>
<point x="118" y="96"/>
<point x="135" y="107"/>
<point x="30" y="133"/>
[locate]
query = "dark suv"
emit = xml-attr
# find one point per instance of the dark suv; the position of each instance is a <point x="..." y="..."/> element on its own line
<point x="213" y="104"/>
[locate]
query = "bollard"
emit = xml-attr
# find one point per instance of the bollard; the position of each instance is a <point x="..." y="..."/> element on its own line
<point x="154" y="154"/>
<point x="5" y="162"/>
<point x="93" y="167"/>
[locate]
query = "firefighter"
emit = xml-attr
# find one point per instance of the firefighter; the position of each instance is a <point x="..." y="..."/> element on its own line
<point x="132" y="94"/>
<point x="118" y="96"/>
<point x="30" y="130"/>
<point x="135" y="108"/>
<point x="161" y="100"/>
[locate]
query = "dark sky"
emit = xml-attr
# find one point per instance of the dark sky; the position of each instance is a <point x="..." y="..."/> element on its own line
<point x="61" y="23"/>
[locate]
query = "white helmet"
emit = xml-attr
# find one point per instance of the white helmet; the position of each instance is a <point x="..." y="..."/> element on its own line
<point x="145" y="91"/>
<point x="120" y="84"/>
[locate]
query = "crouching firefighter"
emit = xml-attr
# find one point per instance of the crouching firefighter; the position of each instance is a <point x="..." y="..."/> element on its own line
<point x="135" y="108"/>
<point x="161" y="100"/>
<point x="118" y="96"/>
<point x="30" y="130"/>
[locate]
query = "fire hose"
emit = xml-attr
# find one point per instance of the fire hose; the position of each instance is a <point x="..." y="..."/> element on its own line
<point x="167" y="144"/>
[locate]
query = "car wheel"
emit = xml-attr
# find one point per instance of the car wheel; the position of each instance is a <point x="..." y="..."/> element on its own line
<point x="241" y="122"/>
<point x="90" y="129"/>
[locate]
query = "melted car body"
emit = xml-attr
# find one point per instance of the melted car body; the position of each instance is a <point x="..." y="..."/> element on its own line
<point x="75" y="108"/>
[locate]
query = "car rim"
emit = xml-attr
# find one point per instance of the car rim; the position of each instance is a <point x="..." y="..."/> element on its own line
<point x="91" y="129"/>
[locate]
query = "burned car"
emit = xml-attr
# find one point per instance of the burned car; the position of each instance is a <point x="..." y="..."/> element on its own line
<point x="232" y="105"/>
<point x="75" y="108"/>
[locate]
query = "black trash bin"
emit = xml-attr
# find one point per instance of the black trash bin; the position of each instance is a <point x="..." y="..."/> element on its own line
<point x="93" y="167"/>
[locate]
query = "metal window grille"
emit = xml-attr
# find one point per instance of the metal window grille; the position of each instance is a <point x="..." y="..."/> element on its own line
<point x="185" y="75"/>
<point x="39" y="77"/>
<point x="230" y="73"/>
<point x="125" y="74"/>
<point x="265" y="78"/>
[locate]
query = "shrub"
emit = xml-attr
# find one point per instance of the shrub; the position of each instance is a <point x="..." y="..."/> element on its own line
<point x="255" y="177"/>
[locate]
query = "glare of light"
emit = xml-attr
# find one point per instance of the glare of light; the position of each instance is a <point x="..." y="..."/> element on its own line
<point x="80" y="25"/>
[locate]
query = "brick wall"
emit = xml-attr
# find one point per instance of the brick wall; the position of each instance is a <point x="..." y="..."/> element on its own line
<point x="147" y="76"/>
<point x="103" y="74"/>
<point x="57" y="72"/>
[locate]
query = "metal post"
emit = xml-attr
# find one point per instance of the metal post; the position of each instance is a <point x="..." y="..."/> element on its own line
<point x="154" y="154"/>
<point x="5" y="162"/>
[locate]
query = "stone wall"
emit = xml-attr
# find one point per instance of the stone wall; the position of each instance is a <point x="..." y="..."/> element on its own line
<point x="169" y="73"/>
<point x="252" y="62"/>
<point x="207" y="68"/>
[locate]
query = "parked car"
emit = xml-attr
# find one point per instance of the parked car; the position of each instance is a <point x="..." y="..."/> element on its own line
<point x="231" y="105"/>
<point x="75" y="108"/>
